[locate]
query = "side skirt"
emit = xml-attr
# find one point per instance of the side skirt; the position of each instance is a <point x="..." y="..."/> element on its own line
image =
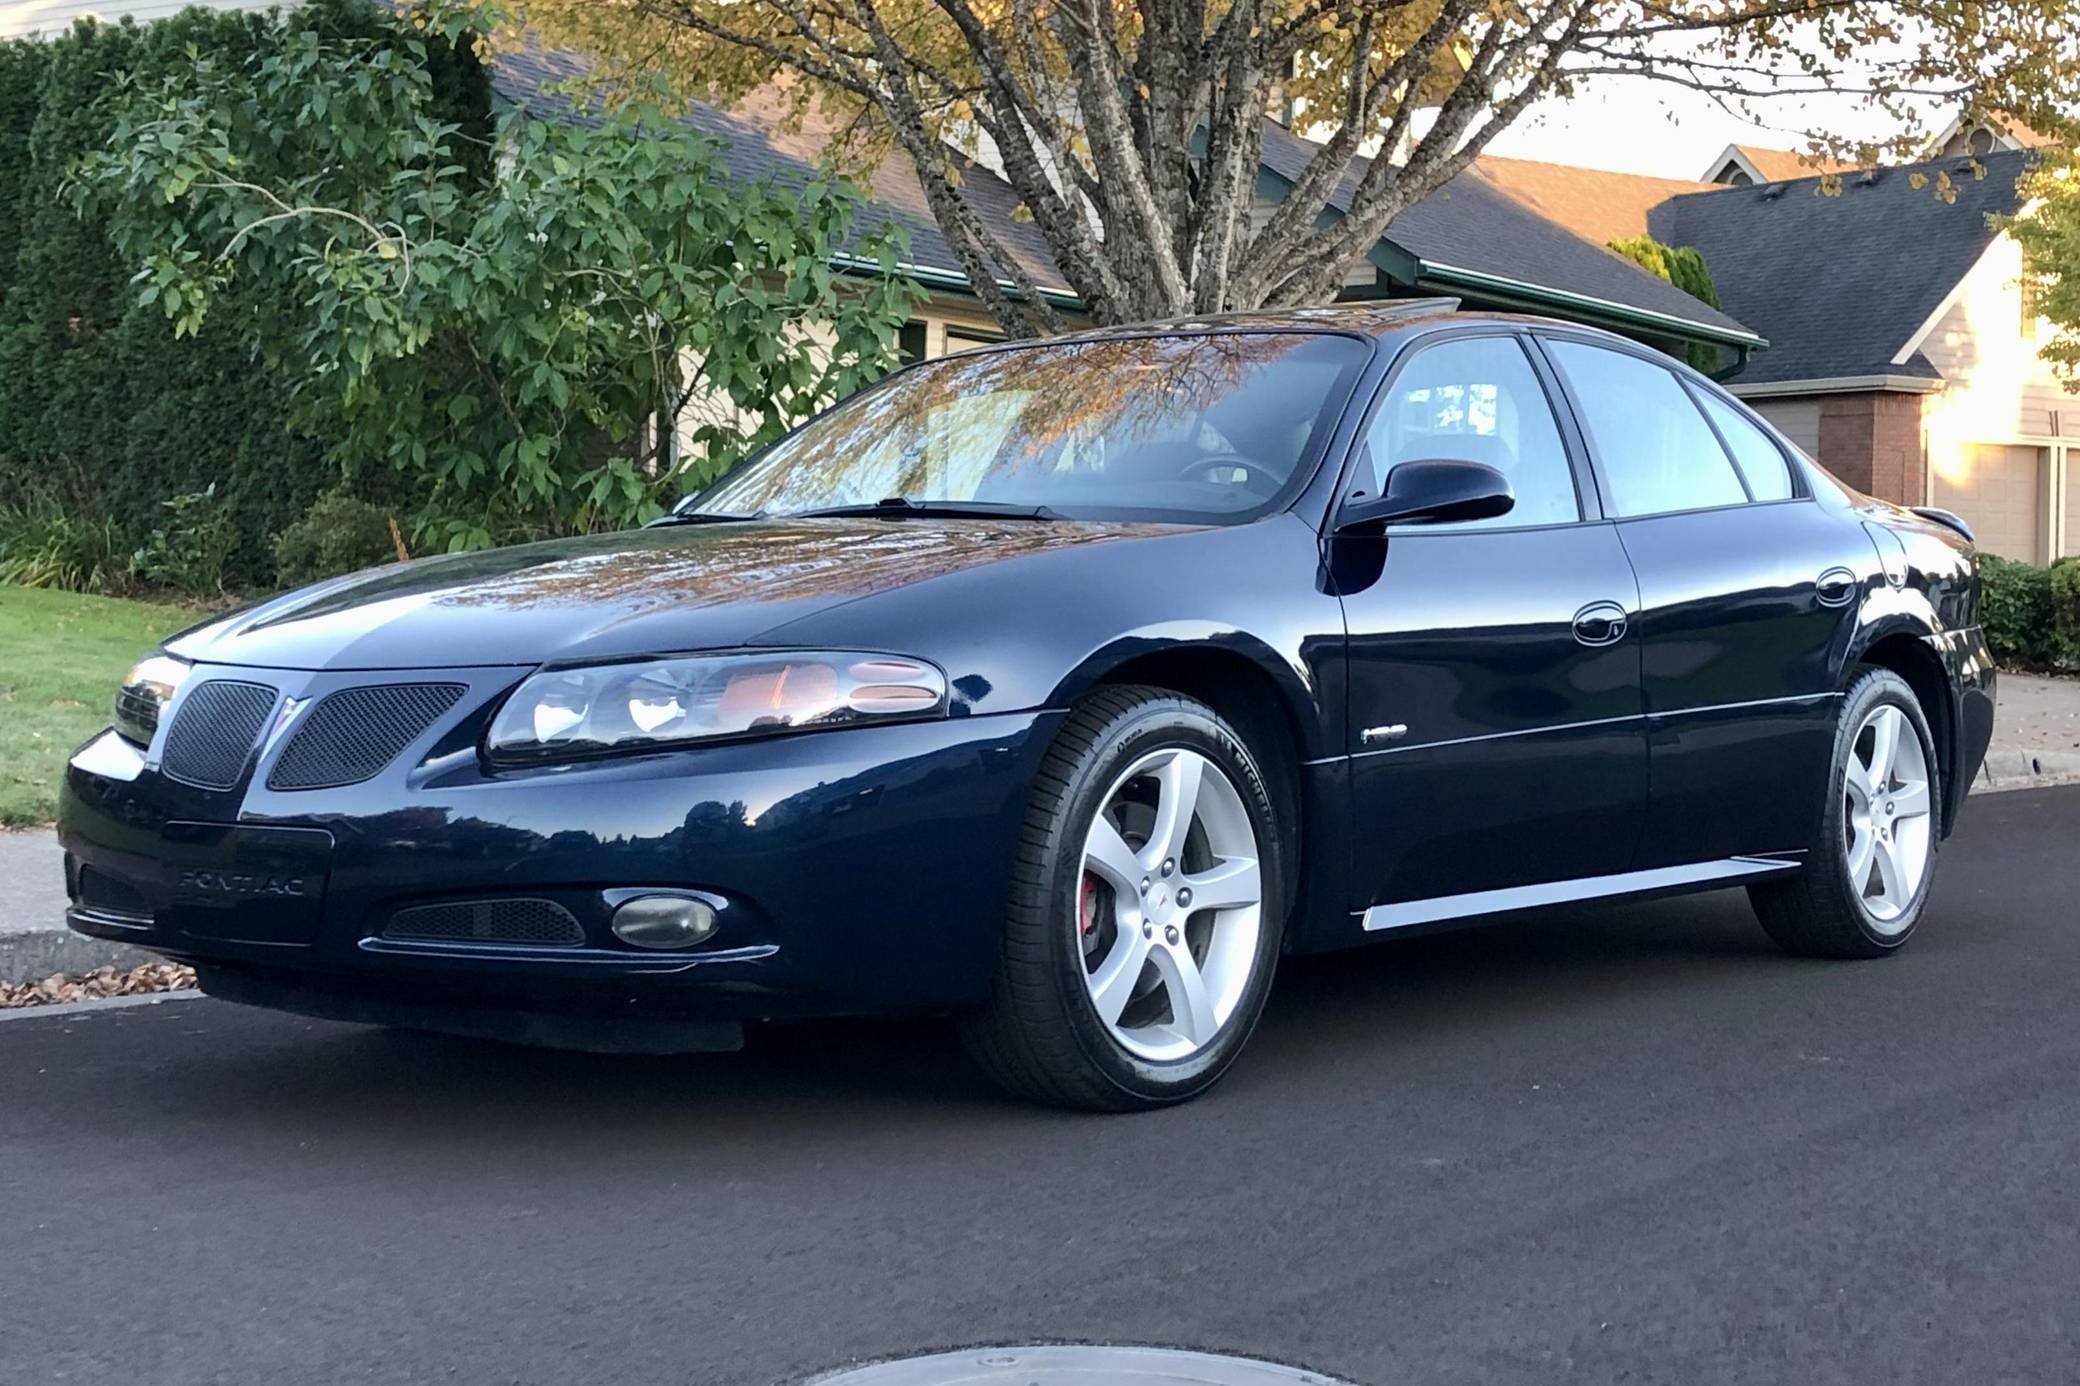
<point x="1695" y="876"/>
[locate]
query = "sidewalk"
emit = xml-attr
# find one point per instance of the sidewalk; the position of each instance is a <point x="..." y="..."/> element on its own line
<point x="2036" y="742"/>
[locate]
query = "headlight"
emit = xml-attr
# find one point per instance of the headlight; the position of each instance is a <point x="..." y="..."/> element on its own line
<point x="146" y="689"/>
<point x="670" y="702"/>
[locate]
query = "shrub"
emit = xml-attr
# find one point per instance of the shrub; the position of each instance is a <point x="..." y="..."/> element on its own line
<point x="191" y="550"/>
<point x="102" y="409"/>
<point x="2065" y="603"/>
<point x="42" y="545"/>
<point x="339" y="534"/>
<point x="2019" y="607"/>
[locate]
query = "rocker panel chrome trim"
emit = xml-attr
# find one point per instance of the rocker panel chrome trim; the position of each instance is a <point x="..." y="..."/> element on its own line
<point x="1479" y="902"/>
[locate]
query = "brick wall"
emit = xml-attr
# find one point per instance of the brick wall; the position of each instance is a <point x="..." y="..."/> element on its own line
<point x="1873" y="442"/>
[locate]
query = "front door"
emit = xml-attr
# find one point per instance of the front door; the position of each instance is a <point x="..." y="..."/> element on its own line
<point x="1748" y="598"/>
<point x="1494" y="694"/>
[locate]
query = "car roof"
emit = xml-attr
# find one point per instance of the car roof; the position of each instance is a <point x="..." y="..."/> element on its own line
<point x="1374" y="318"/>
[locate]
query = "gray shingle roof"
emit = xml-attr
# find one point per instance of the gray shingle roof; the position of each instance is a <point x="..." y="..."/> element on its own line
<point x="1473" y="225"/>
<point x="1840" y="284"/>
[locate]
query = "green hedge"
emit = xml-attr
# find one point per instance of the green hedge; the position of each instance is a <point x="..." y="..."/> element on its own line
<point x="2031" y="614"/>
<point x="103" y="413"/>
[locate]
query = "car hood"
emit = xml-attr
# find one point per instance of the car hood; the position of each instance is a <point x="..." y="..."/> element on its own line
<point x="683" y="587"/>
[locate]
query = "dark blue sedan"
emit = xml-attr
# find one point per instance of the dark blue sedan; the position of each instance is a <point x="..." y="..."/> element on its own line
<point x="1063" y="687"/>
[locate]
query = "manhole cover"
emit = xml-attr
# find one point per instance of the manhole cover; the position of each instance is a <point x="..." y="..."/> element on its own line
<point x="1065" y="1365"/>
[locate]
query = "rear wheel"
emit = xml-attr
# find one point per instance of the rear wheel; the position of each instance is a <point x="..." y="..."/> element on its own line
<point x="1146" y="910"/>
<point x="1866" y="881"/>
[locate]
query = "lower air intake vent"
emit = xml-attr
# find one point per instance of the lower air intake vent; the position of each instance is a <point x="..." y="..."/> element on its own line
<point x="540" y="922"/>
<point x="107" y="895"/>
<point x="213" y="734"/>
<point x="352" y="734"/>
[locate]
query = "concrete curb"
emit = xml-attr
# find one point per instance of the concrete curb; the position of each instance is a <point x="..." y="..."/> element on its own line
<point x="2011" y="769"/>
<point x="99" y="1003"/>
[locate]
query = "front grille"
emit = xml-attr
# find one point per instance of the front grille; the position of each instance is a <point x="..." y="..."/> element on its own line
<point x="213" y="734"/>
<point x="542" y="923"/>
<point x="352" y="734"/>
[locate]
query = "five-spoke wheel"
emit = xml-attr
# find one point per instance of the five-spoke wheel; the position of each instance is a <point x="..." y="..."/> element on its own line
<point x="1171" y="904"/>
<point x="1146" y="911"/>
<point x="1867" y="876"/>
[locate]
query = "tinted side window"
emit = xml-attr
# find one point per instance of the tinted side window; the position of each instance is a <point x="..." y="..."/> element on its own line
<point x="1656" y="450"/>
<point x="1478" y="400"/>
<point x="1757" y="457"/>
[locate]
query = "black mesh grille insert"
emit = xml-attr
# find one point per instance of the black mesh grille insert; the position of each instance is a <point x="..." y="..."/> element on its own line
<point x="213" y="734"/>
<point x="352" y="734"/>
<point x="541" y="922"/>
<point x="108" y="895"/>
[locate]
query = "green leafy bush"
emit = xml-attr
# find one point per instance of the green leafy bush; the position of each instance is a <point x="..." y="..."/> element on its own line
<point x="564" y="349"/>
<point x="340" y="534"/>
<point x="2020" y="607"/>
<point x="102" y="409"/>
<point x="44" y="545"/>
<point x="190" y="550"/>
<point x="2065" y="604"/>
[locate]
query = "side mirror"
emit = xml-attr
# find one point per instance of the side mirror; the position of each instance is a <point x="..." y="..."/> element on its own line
<point x="1433" y="491"/>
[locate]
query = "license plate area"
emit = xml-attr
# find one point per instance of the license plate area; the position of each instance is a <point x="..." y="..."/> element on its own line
<point x="245" y="884"/>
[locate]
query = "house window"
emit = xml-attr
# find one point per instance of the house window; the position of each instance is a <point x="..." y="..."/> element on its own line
<point x="2032" y="286"/>
<point x="910" y="341"/>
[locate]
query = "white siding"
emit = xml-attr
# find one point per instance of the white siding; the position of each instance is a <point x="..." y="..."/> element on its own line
<point x="43" y="18"/>
<point x="1998" y="387"/>
<point x="2000" y="403"/>
<point x="1796" y="419"/>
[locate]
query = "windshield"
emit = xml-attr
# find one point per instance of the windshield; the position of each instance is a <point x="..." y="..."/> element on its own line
<point x="1209" y="427"/>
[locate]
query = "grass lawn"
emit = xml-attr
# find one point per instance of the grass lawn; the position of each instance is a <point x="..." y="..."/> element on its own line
<point x="60" y="657"/>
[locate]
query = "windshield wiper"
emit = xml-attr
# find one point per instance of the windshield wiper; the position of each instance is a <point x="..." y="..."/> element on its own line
<point x="910" y="508"/>
<point x="702" y="517"/>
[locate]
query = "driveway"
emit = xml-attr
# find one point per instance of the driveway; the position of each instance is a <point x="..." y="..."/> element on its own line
<point x="1627" y="1145"/>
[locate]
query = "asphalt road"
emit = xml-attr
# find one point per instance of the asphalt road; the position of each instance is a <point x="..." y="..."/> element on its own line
<point x="1624" y="1146"/>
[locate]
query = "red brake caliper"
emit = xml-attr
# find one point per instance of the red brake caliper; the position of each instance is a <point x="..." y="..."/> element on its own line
<point x="1087" y="904"/>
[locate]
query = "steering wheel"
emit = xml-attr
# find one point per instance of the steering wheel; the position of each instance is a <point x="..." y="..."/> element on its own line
<point x="1200" y="465"/>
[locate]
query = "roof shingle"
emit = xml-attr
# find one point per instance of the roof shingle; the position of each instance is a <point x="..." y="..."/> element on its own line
<point x="1839" y="284"/>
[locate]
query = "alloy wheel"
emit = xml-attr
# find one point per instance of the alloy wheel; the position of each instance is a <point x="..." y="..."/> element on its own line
<point x="1170" y="905"/>
<point x="1887" y="830"/>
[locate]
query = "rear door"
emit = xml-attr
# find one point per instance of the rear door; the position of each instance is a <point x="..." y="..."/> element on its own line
<point x="1748" y="598"/>
<point x="1494" y="697"/>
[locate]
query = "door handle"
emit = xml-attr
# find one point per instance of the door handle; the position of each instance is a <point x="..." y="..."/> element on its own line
<point x="1835" y="587"/>
<point x="1599" y="623"/>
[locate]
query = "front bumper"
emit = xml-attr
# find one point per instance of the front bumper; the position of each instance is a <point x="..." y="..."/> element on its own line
<point x="860" y="870"/>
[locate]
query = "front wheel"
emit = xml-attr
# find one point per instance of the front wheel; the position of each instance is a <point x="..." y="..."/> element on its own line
<point x="1146" y="910"/>
<point x="1866" y="881"/>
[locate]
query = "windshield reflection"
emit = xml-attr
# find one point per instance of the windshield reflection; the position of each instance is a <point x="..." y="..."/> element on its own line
<point x="1205" y="427"/>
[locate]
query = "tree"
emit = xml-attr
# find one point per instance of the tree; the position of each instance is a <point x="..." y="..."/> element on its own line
<point x="1683" y="267"/>
<point x="535" y="344"/>
<point x="2049" y="232"/>
<point x="1131" y="129"/>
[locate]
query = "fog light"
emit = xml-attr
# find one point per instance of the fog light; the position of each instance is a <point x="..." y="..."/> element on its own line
<point x="664" y="921"/>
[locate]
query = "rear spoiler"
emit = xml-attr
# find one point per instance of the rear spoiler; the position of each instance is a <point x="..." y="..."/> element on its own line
<point x="1945" y="517"/>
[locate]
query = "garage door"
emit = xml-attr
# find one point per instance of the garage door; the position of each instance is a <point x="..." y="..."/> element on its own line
<point x="1997" y="488"/>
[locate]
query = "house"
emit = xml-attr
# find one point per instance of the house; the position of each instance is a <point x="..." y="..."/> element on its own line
<point x="1903" y="342"/>
<point x="1742" y="165"/>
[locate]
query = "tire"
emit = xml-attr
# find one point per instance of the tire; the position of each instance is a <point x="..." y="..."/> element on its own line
<point x="1070" y="933"/>
<point x="1819" y="913"/>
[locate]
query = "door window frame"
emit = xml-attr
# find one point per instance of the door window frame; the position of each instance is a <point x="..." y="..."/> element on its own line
<point x="1690" y="387"/>
<point x="1589" y="499"/>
